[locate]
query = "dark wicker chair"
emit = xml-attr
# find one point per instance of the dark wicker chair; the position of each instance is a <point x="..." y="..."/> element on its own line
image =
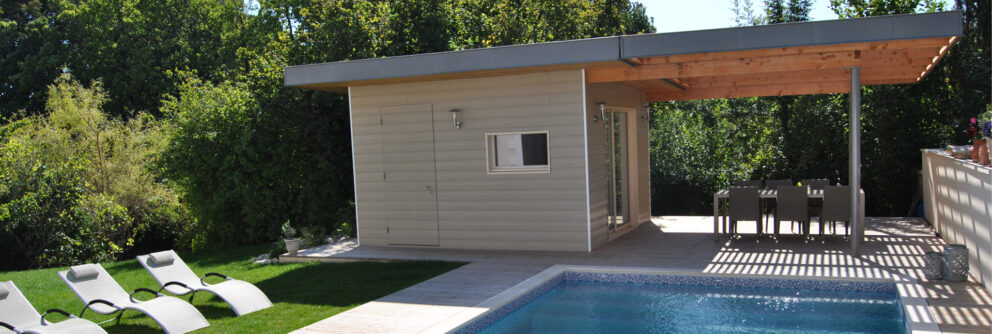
<point x="836" y="207"/>
<point x="816" y="205"/>
<point x="792" y="204"/>
<point x="770" y="203"/>
<point x="744" y="206"/>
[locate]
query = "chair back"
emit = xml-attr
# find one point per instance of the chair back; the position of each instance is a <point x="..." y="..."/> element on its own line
<point x="90" y="281"/>
<point x="792" y="203"/>
<point x="836" y="203"/>
<point x="744" y="204"/>
<point x="816" y="184"/>
<point x="748" y="183"/>
<point x="167" y="267"/>
<point x="774" y="184"/>
<point x="15" y="308"/>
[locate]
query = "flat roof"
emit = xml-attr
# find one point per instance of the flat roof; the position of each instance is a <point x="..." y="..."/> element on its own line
<point x="912" y="42"/>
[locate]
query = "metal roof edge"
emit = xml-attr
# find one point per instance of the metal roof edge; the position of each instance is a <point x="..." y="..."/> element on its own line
<point x="856" y="30"/>
<point x="620" y="48"/>
<point x="495" y="58"/>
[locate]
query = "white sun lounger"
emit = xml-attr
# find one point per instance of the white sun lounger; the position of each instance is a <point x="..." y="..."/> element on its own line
<point x="177" y="278"/>
<point x="17" y="315"/>
<point x="103" y="295"/>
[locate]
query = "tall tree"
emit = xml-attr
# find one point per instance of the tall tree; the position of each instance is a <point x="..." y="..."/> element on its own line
<point x="32" y="53"/>
<point x="134" y="46"/>
<point x="744" y="13"/>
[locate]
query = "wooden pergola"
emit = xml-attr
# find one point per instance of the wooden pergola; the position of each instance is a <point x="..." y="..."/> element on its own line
<point x="799" y="70"/>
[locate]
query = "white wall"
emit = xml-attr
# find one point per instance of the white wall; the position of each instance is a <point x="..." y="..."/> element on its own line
<point x="957" y="195"/>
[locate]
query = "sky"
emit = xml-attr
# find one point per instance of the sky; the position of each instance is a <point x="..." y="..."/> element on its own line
<point x="686" y="15"/>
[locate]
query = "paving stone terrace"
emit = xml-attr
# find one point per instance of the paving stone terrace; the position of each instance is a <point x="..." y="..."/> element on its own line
<point x="894" y="250"/>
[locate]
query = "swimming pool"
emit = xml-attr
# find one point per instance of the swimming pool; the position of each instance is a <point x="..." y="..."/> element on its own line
<point x="598" y="300"/>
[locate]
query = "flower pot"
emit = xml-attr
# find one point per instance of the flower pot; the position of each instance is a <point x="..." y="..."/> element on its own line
<point x="293" y="246"/>
<point x="974" y="151"/>
<point x="988" y="147"/>
<point x="983" y="152"/>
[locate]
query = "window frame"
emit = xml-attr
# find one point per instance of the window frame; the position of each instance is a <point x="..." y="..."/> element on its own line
<point x="492" y="169"/>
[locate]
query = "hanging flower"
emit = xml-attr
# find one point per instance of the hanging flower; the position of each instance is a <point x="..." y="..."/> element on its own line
<point x="972" y="131"/>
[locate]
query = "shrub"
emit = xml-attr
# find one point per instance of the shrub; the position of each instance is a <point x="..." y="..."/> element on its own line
<point x="344" y="221"/>
<point x="247" y="166"/>
<point x="74" y="186"/>
<point x="48" y="219"/>
<point x="313" y="235"/>
<point x="36" y="206"/>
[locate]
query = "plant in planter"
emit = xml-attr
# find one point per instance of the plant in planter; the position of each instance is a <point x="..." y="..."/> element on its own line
<point x="985" y="131"/>
<point x="976" y="138"/>
<point x="292" y="242"/>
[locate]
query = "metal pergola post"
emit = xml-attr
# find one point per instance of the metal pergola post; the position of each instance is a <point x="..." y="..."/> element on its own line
<point x="855" y="160"/>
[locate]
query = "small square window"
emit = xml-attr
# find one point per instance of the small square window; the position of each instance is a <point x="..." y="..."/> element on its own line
<point x="518" y="152"/>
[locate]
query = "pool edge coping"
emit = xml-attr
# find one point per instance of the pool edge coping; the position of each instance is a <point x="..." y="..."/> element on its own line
<point x="914" y="308"/>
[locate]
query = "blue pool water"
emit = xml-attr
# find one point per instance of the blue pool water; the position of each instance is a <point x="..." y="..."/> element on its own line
<point x="577" y="306"/>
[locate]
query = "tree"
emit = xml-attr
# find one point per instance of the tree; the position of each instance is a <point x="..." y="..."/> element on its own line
<point x="135" y="46"/>
<point x="31" y="53"/>
<point x="744" y="13"/>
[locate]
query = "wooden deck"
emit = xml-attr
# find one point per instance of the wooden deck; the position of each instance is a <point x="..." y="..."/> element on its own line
<point x="894" y="250"/>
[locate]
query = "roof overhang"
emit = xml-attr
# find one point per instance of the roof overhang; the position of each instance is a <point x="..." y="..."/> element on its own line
<point x="771" y="60"/>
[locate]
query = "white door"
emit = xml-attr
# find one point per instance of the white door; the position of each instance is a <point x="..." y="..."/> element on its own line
<point x="410" y="180"/>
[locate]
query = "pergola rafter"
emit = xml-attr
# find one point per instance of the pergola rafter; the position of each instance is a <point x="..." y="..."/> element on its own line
<point x="820" y="69"/>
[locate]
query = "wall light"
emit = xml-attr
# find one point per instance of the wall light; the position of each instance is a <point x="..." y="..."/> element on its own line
<point x="454" y="119"/>
<point x="602" y="112"/>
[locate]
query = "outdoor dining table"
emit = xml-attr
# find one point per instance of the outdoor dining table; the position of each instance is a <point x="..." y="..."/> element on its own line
<point x="724" y="194"/>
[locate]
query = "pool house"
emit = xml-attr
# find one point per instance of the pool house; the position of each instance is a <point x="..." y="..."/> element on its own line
<point x="544" y="147"/>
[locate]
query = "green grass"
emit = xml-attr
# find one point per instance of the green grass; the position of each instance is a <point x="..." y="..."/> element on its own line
<point x="302" y="293"/>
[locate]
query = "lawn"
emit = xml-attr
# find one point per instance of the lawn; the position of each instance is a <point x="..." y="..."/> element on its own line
<point x="302" y="293"/>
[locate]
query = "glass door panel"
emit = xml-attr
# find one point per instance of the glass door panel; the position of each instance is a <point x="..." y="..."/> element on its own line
<point x="616" y="167"/>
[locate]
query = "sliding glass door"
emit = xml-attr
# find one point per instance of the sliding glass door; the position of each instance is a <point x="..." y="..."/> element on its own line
<point x="616" y="168"/>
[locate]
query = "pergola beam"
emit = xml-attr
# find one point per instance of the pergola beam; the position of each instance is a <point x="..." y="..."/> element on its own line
<point x="725" y="67"/>
<point x="751" y="91"/>
<point x="650" y="69"/>
<point x="798" y="77"/>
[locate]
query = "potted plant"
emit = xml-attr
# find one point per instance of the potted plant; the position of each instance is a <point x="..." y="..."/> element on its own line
<point x="290" y="237"/>
<point x="976" y="139"/>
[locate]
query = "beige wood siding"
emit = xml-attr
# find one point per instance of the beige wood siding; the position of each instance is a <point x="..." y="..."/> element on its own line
<point x="616" y="95"/>
<point x="476" y="209"/>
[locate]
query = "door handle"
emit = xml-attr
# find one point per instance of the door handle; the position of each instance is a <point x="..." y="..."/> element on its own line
<point x="429" y="192"/>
